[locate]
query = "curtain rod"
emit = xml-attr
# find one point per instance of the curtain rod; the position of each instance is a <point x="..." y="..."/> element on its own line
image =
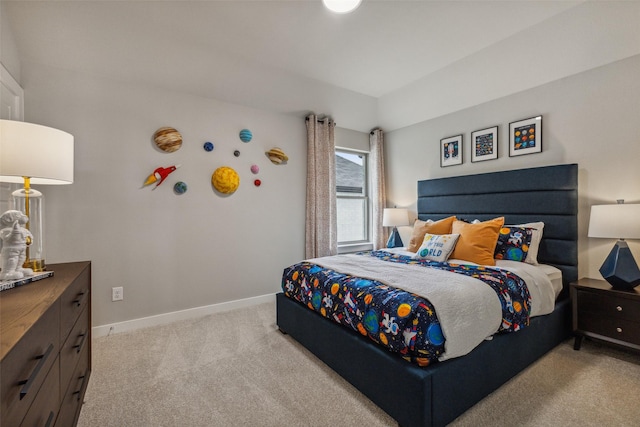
<point x="320" y="120"/>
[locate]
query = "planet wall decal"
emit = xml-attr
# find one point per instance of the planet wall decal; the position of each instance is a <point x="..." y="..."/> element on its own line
<point x="180" y="187"/>
<point x="225" y="179"/>
<point x="168" y="139"/>
<point x="277" y="156"/>
<point x="245" y="135"/>
<point x="208" y="146"/>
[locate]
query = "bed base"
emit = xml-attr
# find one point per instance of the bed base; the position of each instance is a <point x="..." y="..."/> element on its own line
<point x="415" y="396"/>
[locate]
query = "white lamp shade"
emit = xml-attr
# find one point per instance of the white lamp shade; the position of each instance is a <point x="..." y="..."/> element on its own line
<point x="38" y="152"/>
<point x="341" y="6"/>
<point x="395" y="217"/>
<point x="620" y="221"/>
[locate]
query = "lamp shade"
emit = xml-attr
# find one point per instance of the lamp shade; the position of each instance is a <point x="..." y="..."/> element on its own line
<point x="620" y="221"/>
<point x="341" y="6"/>
<point x="395" y="217"/>
<point x="38" y="152"/>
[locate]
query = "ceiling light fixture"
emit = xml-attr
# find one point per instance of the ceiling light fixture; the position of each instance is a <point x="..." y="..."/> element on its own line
<point x="341" y="6"/>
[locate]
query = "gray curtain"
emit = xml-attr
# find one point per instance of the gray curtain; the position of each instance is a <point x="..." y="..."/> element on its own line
<point x="378" y="194"/>
<point x="321" y="232"/>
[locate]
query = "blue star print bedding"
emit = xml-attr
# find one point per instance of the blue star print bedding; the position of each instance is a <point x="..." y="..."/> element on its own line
<point x="399" y="319"/>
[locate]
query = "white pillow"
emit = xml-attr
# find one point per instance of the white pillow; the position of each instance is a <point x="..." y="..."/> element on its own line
<point x="436" y="247"/>
<point x="536" y="237"/>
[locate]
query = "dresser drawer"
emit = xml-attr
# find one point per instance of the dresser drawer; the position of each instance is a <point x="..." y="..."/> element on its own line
<point x="72" y="348"/>
<point x="619" y="329"/>
<point x="74" y="299"/>
<point x="608" y="305"/>
<point x="45" y="407"/>
<point x="25" y="367"/>
<point x="74" y="394"/>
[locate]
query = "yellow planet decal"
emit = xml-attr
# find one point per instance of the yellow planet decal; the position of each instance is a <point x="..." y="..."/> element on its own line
<point x="225" y="179"/>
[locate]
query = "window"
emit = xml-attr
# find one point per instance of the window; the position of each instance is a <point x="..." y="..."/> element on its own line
<point x="352" y="197"/>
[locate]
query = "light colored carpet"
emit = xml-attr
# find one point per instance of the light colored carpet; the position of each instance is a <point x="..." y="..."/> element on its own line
<point x="237" y="369"/>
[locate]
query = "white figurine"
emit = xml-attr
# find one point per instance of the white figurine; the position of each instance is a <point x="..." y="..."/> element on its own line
<point x="14" y="239"/>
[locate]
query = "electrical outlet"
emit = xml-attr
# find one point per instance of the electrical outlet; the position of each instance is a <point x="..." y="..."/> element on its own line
<point x="117" y="294"/>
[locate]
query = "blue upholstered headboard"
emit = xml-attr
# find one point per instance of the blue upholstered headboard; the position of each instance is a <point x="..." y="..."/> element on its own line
<point x="548" y="194"/>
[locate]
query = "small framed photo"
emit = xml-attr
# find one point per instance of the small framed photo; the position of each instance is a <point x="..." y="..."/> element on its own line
<point x="451" y="151"/>
<point x="484" y="144"/>
<point x="525" y="136"/>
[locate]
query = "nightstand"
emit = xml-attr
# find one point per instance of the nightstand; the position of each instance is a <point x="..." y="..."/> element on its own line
<point x="605" y="314"/>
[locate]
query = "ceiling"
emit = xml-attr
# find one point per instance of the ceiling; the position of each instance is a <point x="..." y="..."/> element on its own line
<point x="285" y="56"/>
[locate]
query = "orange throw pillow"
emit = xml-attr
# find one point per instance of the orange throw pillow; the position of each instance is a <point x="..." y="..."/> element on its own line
<point x="420" y="228"/>
<point x="477" y="242"/>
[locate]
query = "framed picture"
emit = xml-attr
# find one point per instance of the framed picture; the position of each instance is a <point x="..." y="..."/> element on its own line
<point x="525" y="136"/>
<point x="484" y="144"/>
<point x="451" y="151"/>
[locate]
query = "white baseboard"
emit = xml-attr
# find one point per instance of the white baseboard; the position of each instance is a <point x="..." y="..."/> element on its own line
<point x="163" y="319"/>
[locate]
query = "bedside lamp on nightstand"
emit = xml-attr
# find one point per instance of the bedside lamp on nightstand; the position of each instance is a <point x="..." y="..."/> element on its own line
<point x="395" y="217"/>
<point x="619" y="221"/>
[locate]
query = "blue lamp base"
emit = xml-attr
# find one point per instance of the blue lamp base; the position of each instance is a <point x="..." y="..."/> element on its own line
<point x="394" y="239"/>
<point x="620" y="268"/>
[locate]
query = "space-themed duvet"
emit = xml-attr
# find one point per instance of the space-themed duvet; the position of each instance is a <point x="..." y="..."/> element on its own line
<point x="422" y="310"/>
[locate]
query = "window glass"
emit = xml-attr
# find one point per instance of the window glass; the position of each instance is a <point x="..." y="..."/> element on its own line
<point x="352" y="197"/>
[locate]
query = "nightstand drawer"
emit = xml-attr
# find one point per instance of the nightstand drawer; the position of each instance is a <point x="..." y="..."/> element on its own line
<point x="608" y="306"/>
<point x="618" y="329"/>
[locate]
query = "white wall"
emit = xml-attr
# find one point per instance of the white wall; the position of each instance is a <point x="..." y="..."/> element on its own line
<point x="589" y="35"/>
<point x="169" y="252"/>
<point x="8" y="49"/>
<point x="590" y="119"/>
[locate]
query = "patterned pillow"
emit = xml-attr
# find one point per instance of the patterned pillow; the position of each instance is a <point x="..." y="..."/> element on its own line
<point x="537" y="230"/>
<point x="437" y="247"/>
<point x="514" y="243"/>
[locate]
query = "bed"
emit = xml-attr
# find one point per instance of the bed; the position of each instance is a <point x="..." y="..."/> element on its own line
<point x="437" y="394"/>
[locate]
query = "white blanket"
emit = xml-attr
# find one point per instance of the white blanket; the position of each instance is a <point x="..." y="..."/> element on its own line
<point x="468" y="309"/>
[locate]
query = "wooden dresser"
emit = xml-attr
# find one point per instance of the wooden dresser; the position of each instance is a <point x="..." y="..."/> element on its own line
<point x="45" y="348"/>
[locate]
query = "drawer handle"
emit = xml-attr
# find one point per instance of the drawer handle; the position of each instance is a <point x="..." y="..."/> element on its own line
<point x="619" y="330"/>
<point x="28" y="382"/>
<point x="83" y="378"/>
<point x="79" y="298"/>
<point x="50" y="419"/>
<point x="79" y="346"/>
<point x="619" y="308"/>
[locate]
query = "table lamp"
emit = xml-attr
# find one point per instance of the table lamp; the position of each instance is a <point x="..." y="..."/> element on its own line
<point x="395" y="217"/>
<point x="34" y="154"/>
<point x="621" y="221"/>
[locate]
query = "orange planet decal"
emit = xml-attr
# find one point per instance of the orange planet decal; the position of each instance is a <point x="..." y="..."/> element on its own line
<point x="168" y="139"/>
